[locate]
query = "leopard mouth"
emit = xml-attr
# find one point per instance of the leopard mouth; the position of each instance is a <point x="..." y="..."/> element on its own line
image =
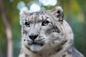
<point x="35" y="46"/>
<point x="40" y="43"/>
<point x="37" y="43"/>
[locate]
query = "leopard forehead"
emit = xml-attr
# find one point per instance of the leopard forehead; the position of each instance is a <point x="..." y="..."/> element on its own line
<point x="38" y="16"/>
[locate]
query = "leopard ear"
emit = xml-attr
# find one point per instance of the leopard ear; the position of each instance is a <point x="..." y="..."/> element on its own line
<point x="23" y="16"/>
<point x="23" y="11"/>
<point x="58" y="13"/>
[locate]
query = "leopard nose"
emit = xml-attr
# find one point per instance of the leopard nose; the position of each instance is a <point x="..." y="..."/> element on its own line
<point x="33" y="37"/>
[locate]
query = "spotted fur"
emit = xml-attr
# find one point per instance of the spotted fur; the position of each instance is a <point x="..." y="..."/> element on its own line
<point x="46" y="34"/>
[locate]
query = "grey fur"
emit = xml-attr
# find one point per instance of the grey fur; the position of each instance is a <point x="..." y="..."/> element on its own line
<point x="43" y="35"/>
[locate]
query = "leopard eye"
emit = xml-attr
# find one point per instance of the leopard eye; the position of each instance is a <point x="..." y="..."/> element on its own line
<point x="45" y="22"/>
<point x="27" y="24"/>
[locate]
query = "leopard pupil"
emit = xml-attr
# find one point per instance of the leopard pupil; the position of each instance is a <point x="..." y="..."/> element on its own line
<point x="27" y="24"/>
<point x="45" y="22"/>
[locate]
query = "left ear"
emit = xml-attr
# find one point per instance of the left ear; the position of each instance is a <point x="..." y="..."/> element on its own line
<point x="58" y="13"/>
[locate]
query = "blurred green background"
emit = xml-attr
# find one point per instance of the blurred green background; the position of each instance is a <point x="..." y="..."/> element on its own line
<point x="74" y="13"/>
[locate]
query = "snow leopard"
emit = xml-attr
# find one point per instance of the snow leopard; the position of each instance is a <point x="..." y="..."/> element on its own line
<point x="46" y="34"/>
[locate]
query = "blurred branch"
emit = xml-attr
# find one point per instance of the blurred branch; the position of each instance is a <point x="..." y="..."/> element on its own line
<point x="7" y="29"/>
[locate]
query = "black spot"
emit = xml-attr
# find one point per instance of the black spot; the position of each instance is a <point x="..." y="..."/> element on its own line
<point x="24" y="40"/>
<point x="56" y="29"/>
<point x="53" y="29"/>
<point x="64" y="55"/>
<point x="63" y="42"/>
<point x="24" y="31"/>
<point x="26" y="55"/>
<point x="60" y="48"/>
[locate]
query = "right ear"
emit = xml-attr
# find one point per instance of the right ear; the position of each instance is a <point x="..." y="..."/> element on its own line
<point x="24" y="12"/>
<point x="23" y="17"/>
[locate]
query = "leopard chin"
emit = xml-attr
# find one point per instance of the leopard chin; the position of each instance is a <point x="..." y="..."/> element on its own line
<point x="35" y="48"/>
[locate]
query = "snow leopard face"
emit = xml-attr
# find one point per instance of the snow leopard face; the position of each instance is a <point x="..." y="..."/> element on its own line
<point x="42" y="30"/>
